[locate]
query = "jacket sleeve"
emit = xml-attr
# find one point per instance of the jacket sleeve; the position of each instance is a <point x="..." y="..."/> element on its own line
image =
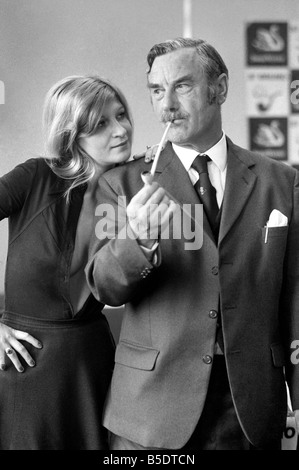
<point x="118" y="269"/>
<point x="15" y="187"/>
<point x="290" y="300"/>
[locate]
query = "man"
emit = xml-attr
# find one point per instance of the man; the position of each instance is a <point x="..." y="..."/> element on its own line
<point x="207" y="334"/>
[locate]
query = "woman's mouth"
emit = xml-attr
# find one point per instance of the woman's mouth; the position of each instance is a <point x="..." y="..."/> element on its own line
<point x="121" y="144"/>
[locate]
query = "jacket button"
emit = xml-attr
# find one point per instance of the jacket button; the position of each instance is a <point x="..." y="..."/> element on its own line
<point x="207" y="359"/>
<point x="215" y="270"/>
<point x="213" y="314"/>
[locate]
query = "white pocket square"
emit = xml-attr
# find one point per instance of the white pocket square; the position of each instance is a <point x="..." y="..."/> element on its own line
<point x="277" y="219"/>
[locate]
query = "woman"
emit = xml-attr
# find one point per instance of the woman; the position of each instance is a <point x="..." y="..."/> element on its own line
<point x="56" y="403"/>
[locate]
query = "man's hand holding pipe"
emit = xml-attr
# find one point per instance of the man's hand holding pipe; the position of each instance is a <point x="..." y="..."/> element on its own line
<point x="149" y="211"/>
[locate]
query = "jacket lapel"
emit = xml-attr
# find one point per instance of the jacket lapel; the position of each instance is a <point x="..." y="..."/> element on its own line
<point x="240" y="181"/>
<point x="171" y="175"/>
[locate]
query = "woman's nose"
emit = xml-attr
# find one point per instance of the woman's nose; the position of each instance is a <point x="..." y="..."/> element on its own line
<point x="119" y="129"/>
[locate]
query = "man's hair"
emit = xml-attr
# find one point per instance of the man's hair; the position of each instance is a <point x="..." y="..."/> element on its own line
<point x="211" y="61"/>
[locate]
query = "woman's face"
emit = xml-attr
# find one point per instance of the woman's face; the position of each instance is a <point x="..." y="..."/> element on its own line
<point x="112" y="141"/>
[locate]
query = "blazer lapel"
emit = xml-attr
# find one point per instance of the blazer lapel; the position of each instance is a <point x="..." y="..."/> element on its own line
<point x="171" y="175"/>
<point x="240" y="181"/>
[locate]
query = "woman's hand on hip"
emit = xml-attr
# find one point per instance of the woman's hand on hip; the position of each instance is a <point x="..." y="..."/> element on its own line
<point x="12" y="348"/>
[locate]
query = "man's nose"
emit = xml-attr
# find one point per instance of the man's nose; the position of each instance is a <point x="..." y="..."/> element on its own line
<point x="170" y="101"/>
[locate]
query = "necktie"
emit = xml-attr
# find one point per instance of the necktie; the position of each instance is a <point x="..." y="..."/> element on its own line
<point x="206" y="192"/>
<point x="207" y="195"/>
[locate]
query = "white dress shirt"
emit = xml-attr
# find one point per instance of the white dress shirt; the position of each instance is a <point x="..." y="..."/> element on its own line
<point x="216" y="168"/>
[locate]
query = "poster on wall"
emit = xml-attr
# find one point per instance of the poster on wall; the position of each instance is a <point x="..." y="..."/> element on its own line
<point x="267" y="44"/>
<point x="272" y="89"/>
<point x="269" y="137"/>
<point x="294" y="140"/>
<point x="267" y="92"/>
<point x="294" y="45"/>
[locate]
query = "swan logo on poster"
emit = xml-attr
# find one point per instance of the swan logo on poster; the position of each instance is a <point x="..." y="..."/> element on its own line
<point x="267" y="44"/>
<point x="269" y="137"/>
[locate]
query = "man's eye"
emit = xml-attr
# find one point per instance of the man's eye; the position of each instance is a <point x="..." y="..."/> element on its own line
<point x="181" y="87"/>
<point x="157" y="93"/>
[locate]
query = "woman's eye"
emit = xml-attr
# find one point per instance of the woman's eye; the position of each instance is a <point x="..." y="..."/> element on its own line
<point x="101" y="124"/>
<point x="121" y="116"/>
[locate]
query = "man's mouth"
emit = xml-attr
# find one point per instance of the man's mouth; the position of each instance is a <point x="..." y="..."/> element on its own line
<point x="173" y="119"/>
<point x="177" y="120"/>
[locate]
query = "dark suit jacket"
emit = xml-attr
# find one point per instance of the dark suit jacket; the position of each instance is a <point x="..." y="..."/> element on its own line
<point x="161" y="374"/>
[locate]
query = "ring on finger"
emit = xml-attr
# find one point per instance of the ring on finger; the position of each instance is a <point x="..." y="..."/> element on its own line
<point x="9" y="351"/>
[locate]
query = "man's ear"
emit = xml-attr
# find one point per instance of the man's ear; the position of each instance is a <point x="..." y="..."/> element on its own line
<point x="221" y="88"/>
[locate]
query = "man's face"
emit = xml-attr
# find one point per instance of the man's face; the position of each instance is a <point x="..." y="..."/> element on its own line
<point x="179" y="92"/>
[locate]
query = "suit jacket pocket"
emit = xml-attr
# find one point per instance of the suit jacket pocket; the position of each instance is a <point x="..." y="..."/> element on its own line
<point x="136" y="356"/>
<point x="275" y="232"/>
<point x="278" y="355"/>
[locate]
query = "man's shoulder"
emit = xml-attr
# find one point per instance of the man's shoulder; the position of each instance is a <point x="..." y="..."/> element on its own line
<point x="129" y="171"/>
<point x="262" y="163"/>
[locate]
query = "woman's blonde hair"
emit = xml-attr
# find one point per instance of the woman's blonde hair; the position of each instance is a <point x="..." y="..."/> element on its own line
<point x="72" y="109"/>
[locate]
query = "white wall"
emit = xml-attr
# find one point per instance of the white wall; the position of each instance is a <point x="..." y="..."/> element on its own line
<point x="45" y="40"/>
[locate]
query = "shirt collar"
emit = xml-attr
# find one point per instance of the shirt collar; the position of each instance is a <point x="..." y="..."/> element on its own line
<point x="217" y="153"/>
